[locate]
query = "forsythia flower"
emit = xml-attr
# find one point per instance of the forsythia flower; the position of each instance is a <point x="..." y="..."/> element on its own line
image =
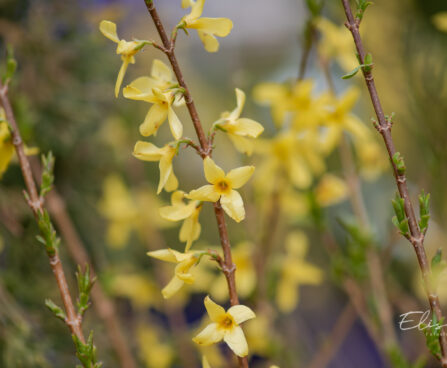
<point x="207" y="28"/>
<point x="205" y="363"/>
<point x="330" y="190"/>
<point x="440" y="21"/>
<point x="295" y="271"/>
<point x="6" y="146"/>
<point x="336" y="43"/>
<point x="137" y="288"/>
<point x="182" y="273"/>
<point x="147" y="151"/>
<point x="222" y="187"/>
<point x="153" y="352"/>
<point x="127" y="49"/>
<point x="179" y="210"/>
<point x="156" y="89"/>
<point x="225" y="325"/>
<point x="239" y="128"/>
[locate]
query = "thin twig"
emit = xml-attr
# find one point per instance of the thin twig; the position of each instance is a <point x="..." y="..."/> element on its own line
<point x="229" y="268"/>
<point x="416" y="238"/>
<point x="36" y="203"/>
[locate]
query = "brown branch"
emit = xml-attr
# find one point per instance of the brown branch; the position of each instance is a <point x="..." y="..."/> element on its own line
<point x="384" y="128"/>
<point x="104" y="307"/>
<point x="73" y="321"/>
<point x="230" y="269"/>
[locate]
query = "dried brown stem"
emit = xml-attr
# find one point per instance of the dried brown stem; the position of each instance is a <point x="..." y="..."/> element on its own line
<point x="36" y="203"/>
<point x="229" y="268"/>
<point x="384" y="128"/>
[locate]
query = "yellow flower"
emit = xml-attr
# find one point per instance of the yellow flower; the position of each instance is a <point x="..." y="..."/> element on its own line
<point x="138" y="288"/>
<point x="182" y="273"/>
<point x="440" y="21"/>
<point x="339" y="118"/>
<point x="373" y="159"/>
<point x="205" y="363"/>
<point x="239" y="128"/>
<point x="222" y="187"/>
<point x="294" y="272"/>
<point x="127" y="49"/>
<point x="154" y="353"/>
<point x="179" y="210"/>
<point x="6" y="146"/>
<point x="225" y="326"/>
<point x="147" y="151"/>
<point x="275" y="95"/>
<point x="330" y="190"/>
<point x="158" y="90"/>
<point x="207" y="28"/>
<point x="336" y="43"/>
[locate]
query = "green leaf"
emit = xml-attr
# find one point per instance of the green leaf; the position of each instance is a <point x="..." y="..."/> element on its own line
<point x="11" y="65"/>
<point x="424" y="211"/>
<point x="47" y="173"/>
<point x="57" y="311"/>
<point x="351" y="73"/>
<point x="437" y="258"/>
<point x="399" y="162"/>
<point x="85" y="284"/>
<point x="400" y="220"/>
<point x="432" y="333"/>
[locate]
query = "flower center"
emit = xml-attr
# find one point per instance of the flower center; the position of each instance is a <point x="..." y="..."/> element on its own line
<point x="223" y="186"/>
<point x="227" y="322"/>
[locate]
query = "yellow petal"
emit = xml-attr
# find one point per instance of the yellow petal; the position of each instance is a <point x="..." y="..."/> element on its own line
<point x="220" y="27"/>
<point x="297" y="244"/>
<point x="155" y="117"/>
<point x="175" y="124"/>
<point x="212" y="172"/>
<point x="205" y="193"/>
<point x="356" y="127"/>
<point x="187" y="3"/>
<point x="215" y="311"/>
<point x="108" y="29"/>
<point x="172" y="287"/>
<point x="161" y="71"/>
<point x="242" y="144"/>
<point x="440" y="21"/>
<point x="209" y="335"/>
<point x="238" y="177"/>
<point x="6" y="153"/>
<point x="247" y="127"/>
<point x="237" y="342"/>
<point x="147" y="151"/>
<point x="286" y="296"/>
<point x="209" y="41"/>
<point x="171" y="183"/>
<point x="196" y="9"/>
<point x="300" y="173"/>
<point x="168" y="255"/>
<point x="205" y="363"/>
<point x="241" y="313"/>
<point x="240" y="101"/>
<point x="233" y="205"/>
<point x="121" y="73"/>
<point x="140" y="89"/>
<point x="189" y="231"/>
<point x="348" y="100"/>
<point x="178" y="212"/>
<point x="330" y="190"/>
<point x="165" y="167"/>
<point x="182" y="270"/>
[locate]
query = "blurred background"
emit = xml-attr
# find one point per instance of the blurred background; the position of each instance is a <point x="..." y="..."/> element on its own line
<point x="63" y="99"/>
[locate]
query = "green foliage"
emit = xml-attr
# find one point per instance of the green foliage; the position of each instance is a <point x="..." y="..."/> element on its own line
<point x="352" y="261"/>
<point x="47" y="173"/>
<point x="86" y="353"/>
<point x="362" y="5"/>
<point x="424" y="211"/>
<point x="366" y="66"/>
<point x="432" y="333"/>
<point x="85" y="284"/>
<point x="48" y="235"/>
<point x="398" y="160"/>
<point x="11" y="65"/>
<point x="398" y="360"/>
<point x="400" y="220"/>
<point x="55" y="309"/>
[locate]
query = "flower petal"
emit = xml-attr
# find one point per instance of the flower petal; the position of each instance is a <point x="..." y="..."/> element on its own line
<point x="141" y="89"/>
<point x="212" y="172"/>
<point x="204" y="193"/>
<point x="238" y="177"/>
<point x="147" y="151"/>
<point x="121" y="73"/>
<point x="175" y="124"/>
<point x="220" y="27"/>
<point x="165" y="167"/>
<point x="242" y="144"/>
<point x="237" y="342"/>
<point x="240" y="101"/>
<point x="209" y="41"/>
<point x="177" y="212"/>
<point x="215" y="311"/>
<point x="168" y="255"/>
<point x="172" y="287"/>
<point x="161" y="71"/>
<point x="108" y="29"/>
<point x="209" y="335"/>
<point x="233" y="205"/>
<point x="172" y="182"/>
<point x="241" y="313"/>
<point x="248" y="127"/>
<point x="154" y="118"/>
<point x="190" y="231"/>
